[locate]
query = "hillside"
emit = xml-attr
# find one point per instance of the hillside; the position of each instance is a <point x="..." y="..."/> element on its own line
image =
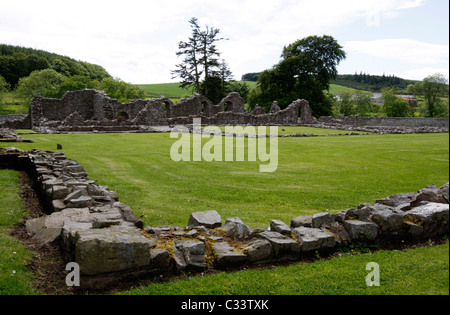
<point x="372" y="83"/>
<point x="173" y="90"/>
<point x="17" y="62"/>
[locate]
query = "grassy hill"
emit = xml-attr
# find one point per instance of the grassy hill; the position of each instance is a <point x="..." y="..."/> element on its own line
<point x="173" y="90"/>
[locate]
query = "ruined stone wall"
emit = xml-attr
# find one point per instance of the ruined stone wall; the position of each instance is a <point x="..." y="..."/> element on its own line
<point x="412" y="122"/>
<point x="94" y="110"/>
<point x="109" y="243"/>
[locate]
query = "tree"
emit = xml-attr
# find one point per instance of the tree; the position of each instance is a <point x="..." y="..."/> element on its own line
<point x="363" y="103"/>
<point x="432" y="88"/>
<point x="347" y="104"/>
<point x="4" y="87"/>
<point x="305" y="71"/>
<point x="200" y="65"/>
<point x="75" y="83"/>
<point x="120" y="90"/>
<point x="395" y="106"/>
<point x="45" y="82"/>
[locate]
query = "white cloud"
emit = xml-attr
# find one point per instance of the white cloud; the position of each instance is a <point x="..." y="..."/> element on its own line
<point x="401" y="50"/>
<point x="136" y="40"/>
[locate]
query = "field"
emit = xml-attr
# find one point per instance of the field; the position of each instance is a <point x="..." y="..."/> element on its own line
<point x="314" y="175"/>
<point x="172" y="90"/>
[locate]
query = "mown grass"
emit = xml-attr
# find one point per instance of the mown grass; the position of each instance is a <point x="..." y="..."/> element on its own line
<point x="14" y="277"/>
<point x="289" y="130"/>
<point x="314" y="175"/>
<point x="401" y="273"/>
<point x="174" y="90"/>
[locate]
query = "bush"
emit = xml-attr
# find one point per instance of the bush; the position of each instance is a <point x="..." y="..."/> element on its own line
<point x="394" y="106"/>
<point x="45" y="82"/>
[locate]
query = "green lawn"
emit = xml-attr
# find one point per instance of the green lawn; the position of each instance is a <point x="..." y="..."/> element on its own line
<point x="314" y="175"/>
<point x="174" y="90"/>
<point x="14" y="278"/>
<point x="421" y="271"/>
<point x="289" y="130"/>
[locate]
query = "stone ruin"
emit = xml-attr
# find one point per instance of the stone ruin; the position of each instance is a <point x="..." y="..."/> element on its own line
<point x="92" y="110"/>
<point x="110" y="244"/>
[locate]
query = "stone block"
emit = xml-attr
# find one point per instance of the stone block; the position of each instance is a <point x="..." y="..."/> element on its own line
<point x="282" y="246"/>
<point x="433" y="217"/>
<point x="237" y="229"/>
<point x="189" y="255"/>
<point x="361" y="230"/>
<point x="209" y="219"/>
<point x="226" y="256"/>
<point x="311" y="239"/>
<point x="280" y="227"/>
<point x="259" y="251"/>
<point x="109" y="250"/>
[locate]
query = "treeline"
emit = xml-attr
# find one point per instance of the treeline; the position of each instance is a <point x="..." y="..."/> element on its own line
<point x="359" y="81"/>
<point x="252" y="76"/>
<point x="368" y="82"/>
<point x="17" y="62"/>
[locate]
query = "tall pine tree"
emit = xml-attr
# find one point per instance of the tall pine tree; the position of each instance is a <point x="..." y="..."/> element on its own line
<point x="201" y="60"/>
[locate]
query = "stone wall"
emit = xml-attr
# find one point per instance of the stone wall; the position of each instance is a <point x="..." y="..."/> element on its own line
<point x="110" y="243"/>
<point x="386" y="124"/>
<point x="93" y="110"/>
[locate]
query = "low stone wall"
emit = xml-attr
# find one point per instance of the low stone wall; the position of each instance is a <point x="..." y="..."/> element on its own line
<point x="385" y="124"/>
<point x="110" y="244"/>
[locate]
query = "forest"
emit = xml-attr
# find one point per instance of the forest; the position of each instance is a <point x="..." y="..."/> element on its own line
<point x="17" y="62"/>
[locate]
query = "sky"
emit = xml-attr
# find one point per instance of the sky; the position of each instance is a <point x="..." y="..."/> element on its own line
<point x="137" y="40"/>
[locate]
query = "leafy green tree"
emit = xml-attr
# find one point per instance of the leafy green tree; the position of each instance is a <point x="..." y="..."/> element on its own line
<point x="432" y="88"/>
<point x="240" y="87"/>
<point x="395" y="106"/>
<point x="305" y="71"/>
<point x="363" y="104"/>
<point x="75" y="83"/>
<point x="121" y="90"/>
<point x="347" y="104"/>
<point x="4" y="87"/>
<point x="45" y="82"/>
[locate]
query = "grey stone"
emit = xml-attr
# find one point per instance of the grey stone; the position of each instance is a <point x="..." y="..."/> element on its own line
<point x="320" y="218"/>
<point x="76" y="193"/>
<point x="226" y="256"/>
<point x="58" y="204"/>
<point x="189" y="255"/>
<point x="361" y="230"/>
<point x="156" y="230"/>
<point x="280" y="227"/>
<point x="160" y="259"/>
<point x="282" y="245"/>
<point x="433" y="217"/>
<point x="397" y="200"/>
<point x="429" y="194"/>
<point x="106" y="218"/>
<point x="305" y="220"/>
<point x="210" y="219"/>
<point x="444" y="191"/>
<point x="83" y="201"/>
<point x="237" y="229"/>
<point x="59" y="192"/>
<point x="314" y="239"/>
<point x="108" y="250"/>
<point x="259" y="251"/>
<point x="387" y="220"/>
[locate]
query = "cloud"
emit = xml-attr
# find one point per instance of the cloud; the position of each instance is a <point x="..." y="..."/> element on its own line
<point x="402" y="50"/>
<point x="136" y="40"/>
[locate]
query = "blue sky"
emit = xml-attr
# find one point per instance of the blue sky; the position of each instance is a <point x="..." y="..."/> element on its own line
<point x="136" y="40"/>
